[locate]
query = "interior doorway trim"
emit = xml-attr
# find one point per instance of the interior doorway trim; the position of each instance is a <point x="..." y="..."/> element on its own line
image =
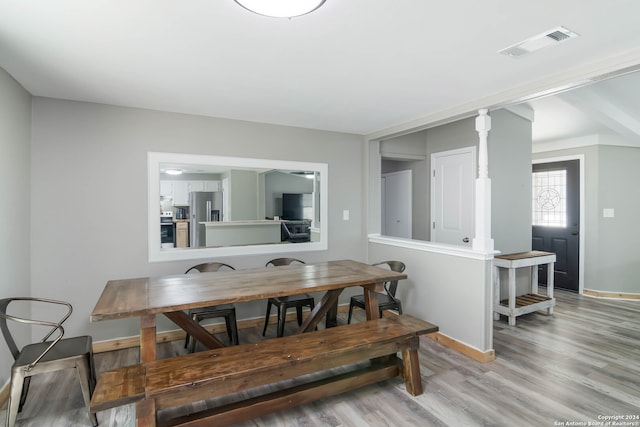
<point x="581" y="240"/>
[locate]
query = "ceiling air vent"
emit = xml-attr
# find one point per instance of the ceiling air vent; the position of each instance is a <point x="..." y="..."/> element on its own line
<point x="548" y="38"/>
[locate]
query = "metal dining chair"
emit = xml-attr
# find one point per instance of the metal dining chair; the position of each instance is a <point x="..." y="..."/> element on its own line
<point x="228" y="311"/>
<point x="286" y="302"/>
<point x="387" y="300"/>
<point x="48" y="355"/>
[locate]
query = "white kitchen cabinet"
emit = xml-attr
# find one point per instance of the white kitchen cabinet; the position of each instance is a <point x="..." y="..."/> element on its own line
<point x="166" y="189"/>
<point x="211" y="185"/>
<point x="179" y="191"/>
<point x="195" y="186"/>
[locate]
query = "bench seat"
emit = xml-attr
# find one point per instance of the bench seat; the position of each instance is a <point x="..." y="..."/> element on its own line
<point x="182" y="380"/>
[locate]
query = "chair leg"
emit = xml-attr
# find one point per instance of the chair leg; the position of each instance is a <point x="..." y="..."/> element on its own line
<point x="25" y="391"/>
<point x="312" y="305"/>
<point x="299" y="314"/>
<point x="188" y="339"/>
<point x="399" y="307"/>
<point x="282" y="316"/>
<point x="83" y="370"/>
<point x="234" y="328"/>
<point x="266" y="318"/>
<point x="192" y="344"/>
<point x="350" y="313"/>
<point x="227" y="322"/>
<point x="17" y="381"/>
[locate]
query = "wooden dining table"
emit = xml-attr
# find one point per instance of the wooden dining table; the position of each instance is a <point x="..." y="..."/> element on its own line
<point x="173" y="295"/>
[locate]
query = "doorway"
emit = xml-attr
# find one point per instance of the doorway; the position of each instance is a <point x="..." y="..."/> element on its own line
<point x="556" y="219"/>
<point x="396" y="200"/>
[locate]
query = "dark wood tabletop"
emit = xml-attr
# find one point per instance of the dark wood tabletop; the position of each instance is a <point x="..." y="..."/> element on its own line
<point x="153" y="295"/>
<point x="172" y="295"/>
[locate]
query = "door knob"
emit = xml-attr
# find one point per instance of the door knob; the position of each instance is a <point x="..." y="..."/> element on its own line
<point x="465" y="240"/>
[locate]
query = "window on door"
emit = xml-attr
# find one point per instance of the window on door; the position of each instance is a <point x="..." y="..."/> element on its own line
<point x="549" y="198"/>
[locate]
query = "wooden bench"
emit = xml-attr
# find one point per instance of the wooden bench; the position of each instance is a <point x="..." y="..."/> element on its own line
<point x="182" y="380"/>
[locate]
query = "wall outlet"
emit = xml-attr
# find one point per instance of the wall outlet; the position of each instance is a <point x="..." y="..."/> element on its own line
<point x="607" y="213"/>
<point x="345" y="215"/>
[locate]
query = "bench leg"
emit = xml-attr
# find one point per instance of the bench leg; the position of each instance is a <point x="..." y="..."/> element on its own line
<point x="146" y="413"/>
<point x="411" y="367"/>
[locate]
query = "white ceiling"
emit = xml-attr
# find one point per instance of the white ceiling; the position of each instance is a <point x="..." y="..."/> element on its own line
<point x="357" y="66"/>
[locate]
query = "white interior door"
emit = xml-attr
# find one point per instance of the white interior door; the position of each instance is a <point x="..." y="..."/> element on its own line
<point x="453" y="196"/>
<point x="396" y="204"/>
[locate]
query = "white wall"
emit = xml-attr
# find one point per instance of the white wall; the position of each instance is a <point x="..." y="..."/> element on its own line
<point x="15" y="135"/>
<point x="89" y="191"/>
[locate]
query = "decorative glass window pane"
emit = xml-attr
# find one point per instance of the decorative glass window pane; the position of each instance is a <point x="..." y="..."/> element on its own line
<point x="550" y="198"/>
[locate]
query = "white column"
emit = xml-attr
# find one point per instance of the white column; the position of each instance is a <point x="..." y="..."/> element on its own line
<point x="482" y="240"/>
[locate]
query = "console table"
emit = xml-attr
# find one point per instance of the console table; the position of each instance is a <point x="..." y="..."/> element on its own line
<point x="514" y="305"/>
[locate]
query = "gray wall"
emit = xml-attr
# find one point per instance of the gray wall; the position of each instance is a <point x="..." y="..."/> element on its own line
<point x="89" y="190"/>
<point x="277" y="183"/>
<point x="510" y="173"/>
<point x="15" y="178"/>
<point x="449" y="291"/>
<point x="509" y="169"/>
<point x="243" y="195"/>
<point x="611" y="177"/>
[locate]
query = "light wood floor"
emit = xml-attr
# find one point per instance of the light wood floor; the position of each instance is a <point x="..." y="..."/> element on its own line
<point x="579" y="365"/>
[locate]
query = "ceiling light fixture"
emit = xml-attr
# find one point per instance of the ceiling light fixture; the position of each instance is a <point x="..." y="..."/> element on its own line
<point x="281" y="8"/>
<point x="173" y="171"/>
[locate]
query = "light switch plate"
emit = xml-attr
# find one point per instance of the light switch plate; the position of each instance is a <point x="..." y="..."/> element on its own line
<point x="607" y="213"/>
<point x="345" y="215"/>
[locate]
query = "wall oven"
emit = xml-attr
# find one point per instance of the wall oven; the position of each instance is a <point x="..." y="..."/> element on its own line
<point x="167" y="236"/>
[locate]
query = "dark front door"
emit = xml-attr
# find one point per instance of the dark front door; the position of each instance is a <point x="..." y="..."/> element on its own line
<point x="556" y="219"/>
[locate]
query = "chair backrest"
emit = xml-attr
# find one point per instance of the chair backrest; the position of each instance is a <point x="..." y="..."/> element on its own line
<point x="55" y="326"/>
<point x="282" y="261"/>
<point x="208" y="266"/>
<point x="392" y="285"/>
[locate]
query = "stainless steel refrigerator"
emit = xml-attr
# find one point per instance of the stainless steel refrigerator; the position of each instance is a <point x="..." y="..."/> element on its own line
<point x="204" y="206"/>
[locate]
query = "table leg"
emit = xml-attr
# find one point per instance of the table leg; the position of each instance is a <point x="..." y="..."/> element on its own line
<point x="327" y="303"/>
<point x="194" y="329"/>
<point x="550" y="276"/>
<point x="371" y="302"/>
<point x="147" y="338"/>
<point x="332" y="316"/>
<point x="496" y="292"/>
<point x="512" y="296"/>
<point x="534" y="279"/>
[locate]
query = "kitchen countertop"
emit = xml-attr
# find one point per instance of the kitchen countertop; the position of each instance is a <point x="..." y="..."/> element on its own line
<point x="235" y="223"/>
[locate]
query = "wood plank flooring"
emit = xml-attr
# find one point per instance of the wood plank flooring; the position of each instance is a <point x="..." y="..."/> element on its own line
<point x="579" y="365"/>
